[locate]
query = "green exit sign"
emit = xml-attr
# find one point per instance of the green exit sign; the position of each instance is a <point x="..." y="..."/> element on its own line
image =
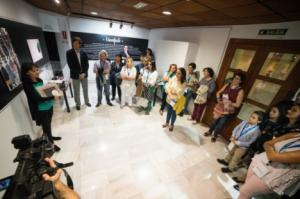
<point x="281" y="31"/>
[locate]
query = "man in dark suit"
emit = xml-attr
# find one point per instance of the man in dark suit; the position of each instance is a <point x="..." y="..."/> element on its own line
<point x="125" y="54"/>
<point x="78" y="63"/>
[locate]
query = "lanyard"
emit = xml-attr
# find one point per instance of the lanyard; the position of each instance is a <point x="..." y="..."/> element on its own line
<point x="289" y="145"/>
<point x="102" y="64"/>
<point x="148" y="74"/>
<point x="246" y="131"/>
<point x="128" y="71"/>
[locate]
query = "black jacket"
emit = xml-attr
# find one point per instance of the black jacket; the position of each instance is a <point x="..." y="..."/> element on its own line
<point x="73" y="63"/>
<point x="34" y="98"/>
<point x="114" y="70"/>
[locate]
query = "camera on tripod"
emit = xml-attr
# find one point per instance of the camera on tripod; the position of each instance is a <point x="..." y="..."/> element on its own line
<point x="27" y="182"/>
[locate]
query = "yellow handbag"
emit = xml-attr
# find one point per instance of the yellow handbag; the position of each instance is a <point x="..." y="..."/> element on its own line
<point x="179" y="105"/>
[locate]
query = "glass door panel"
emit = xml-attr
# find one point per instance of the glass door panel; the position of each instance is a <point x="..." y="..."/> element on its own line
<point x="279" y="65"/>
<point x="263" y="91"/>
<point x="242" y="59"/>
<point x="247" y="109"/>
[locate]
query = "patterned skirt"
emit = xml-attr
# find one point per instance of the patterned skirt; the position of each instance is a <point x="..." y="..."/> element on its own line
<point x="149" y="92"/>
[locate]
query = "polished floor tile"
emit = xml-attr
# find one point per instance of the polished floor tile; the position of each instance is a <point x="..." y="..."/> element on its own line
<point x="123" y="154"/>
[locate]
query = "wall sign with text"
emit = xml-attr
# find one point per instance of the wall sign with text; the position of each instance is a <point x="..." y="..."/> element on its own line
<point x="281" y="31"/>
<point x="93" y="43"/>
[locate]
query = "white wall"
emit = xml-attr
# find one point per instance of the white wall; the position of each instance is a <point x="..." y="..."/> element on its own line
<point x="170" y="51"/>
<point x="213" y="41"/>
<point x="251" y="31"/>
<point x="18" y="10"/>
<point x="15" y="118"/>
<point x="102" y="27"/>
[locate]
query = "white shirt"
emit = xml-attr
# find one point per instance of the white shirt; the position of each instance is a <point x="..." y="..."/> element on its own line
<point x="128" y="72"/>
<point x="149" y="77"/>
<point x="78" y="56"/>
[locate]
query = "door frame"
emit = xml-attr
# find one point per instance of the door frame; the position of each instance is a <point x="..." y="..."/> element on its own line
<point x="262" y="47"/>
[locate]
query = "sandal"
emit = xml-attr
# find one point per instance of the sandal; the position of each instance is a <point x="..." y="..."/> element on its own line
<point x="238" y="180"/>
<point x="165" y="125"/>
<point x="207" y="133"/>
<point x="161" y="112"/>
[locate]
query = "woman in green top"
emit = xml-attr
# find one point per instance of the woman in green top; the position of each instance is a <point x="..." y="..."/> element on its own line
<point x="168" y="75"/>
<point x="41" y="108"/>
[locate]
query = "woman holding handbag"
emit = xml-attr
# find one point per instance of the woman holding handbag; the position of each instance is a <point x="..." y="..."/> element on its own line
<point x="230" y="98"/>
<point x="167" y="76"/>
<point x="207" y="86"/>
<point x="175" y="90"/>
<point x="149" y="77"/>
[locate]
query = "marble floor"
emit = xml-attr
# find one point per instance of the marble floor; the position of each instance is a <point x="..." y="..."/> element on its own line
<point x="122" y="154"/>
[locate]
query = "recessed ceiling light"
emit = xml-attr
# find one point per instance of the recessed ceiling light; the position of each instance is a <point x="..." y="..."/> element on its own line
<point x="94" y="13"/>
<point x="166" y="12"/>
<point x="140" y="5"/>
<point x="57" y="1"/>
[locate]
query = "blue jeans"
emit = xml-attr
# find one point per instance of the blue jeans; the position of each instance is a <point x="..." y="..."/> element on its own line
<point x="100" y="87"/>
<point x="171" y="115"/>
<point x="218" y="124"/>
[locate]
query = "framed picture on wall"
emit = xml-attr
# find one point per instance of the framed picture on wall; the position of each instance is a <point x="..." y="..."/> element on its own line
<point x="9" y="67"/>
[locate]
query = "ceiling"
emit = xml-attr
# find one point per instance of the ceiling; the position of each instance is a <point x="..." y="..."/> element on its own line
<point x="184" y="12"/>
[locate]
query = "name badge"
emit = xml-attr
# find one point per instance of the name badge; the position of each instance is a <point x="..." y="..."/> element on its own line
<point x="261" y="170"/>
<point x="225" y="96"/>
<point x="172" y="103"/>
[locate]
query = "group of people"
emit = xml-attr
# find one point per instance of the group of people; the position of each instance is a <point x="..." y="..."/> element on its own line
<point x="120" y="74"/>
<point x="268" y="144"/>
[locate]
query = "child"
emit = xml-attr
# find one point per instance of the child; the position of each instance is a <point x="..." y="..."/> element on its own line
<point x="242" y="137"/>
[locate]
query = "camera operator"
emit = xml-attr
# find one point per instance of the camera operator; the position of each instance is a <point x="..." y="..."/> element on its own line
<point x="63" y="191"/>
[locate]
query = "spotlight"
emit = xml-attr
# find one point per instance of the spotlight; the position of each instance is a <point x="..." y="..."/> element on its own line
<point x="110" y="24"/>
<point x="94" y="13"/>
<point x="121" y="25"/>
<point x="168" y="13"/>
<point x="57" y="1"/>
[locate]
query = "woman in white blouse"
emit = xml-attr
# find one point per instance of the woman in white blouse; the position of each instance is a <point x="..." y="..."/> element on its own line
<point x="174" y="89"/>
<point x="149" y="77"/>
<point x="128" y="74"/>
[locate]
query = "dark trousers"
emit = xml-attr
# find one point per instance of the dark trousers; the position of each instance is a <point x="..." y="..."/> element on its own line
<point x="113" y="89"/>
<point x="197" y="112"/>
<point x="218" y="124"/>
<point x="163" y="101"/>
<point x="171" y="115"/>
<point x="45" y="118"/>
<point x="100" y="87"/>
<point x="188" y="96"/>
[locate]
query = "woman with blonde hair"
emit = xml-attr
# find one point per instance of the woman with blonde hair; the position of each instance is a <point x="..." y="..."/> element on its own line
<point x="128" y="75"/>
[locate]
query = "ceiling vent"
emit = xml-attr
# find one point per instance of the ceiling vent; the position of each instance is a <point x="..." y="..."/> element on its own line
<point x="140" y="5"/>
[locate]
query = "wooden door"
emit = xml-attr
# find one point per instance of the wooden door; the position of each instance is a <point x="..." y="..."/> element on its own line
<point x="272" y="68"/>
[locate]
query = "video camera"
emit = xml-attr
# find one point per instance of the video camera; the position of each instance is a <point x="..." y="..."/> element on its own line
<point x="27" y="182"/>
